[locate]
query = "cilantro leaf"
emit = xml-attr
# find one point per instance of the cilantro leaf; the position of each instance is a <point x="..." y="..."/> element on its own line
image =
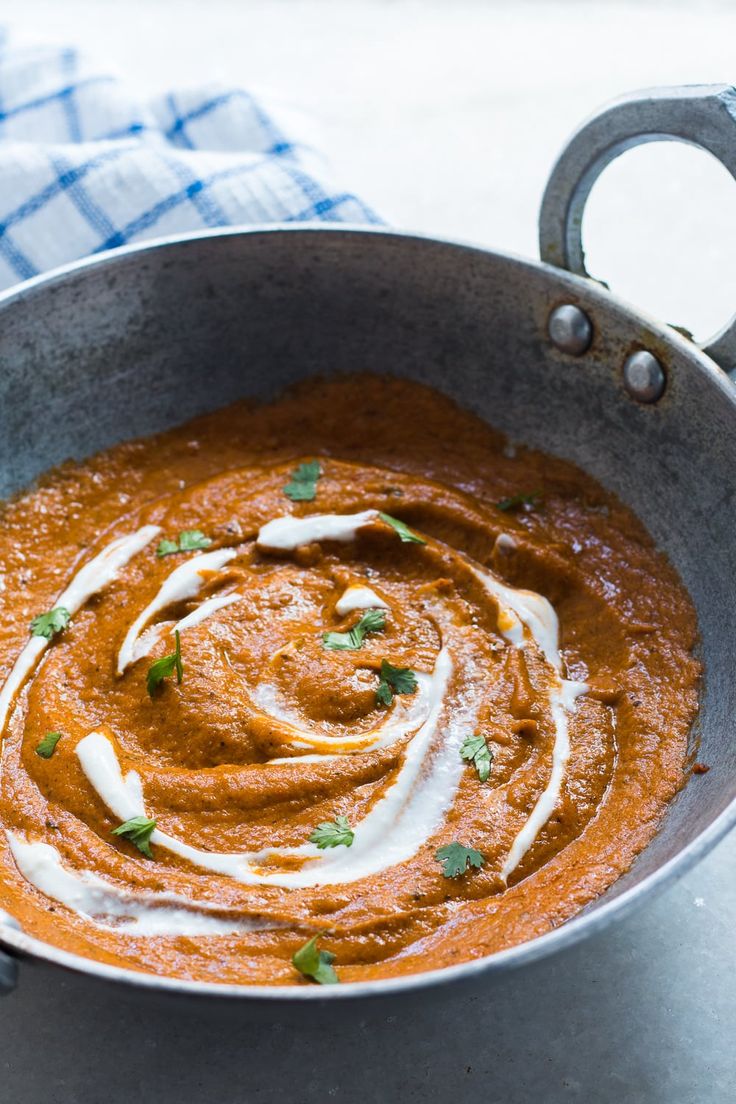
<point x="189" y="540"/>
<point x="165" y="667"/>
<point x="138" y="830"/>
<point x="476" y="750"/>
<point x="394" y="680"/>
<point x="303" y="485"/>
<point x="335" y="833"/>
<point x="51" y="623"/>
<point x="456" y="858"/>
<point x="48" y="745"/>
<point x="192" y="540"/>
<point x="406" y="535"/>
<point x="372" y="621"/>
<point x="517" y="500"/>
<point x="314" y="964"/>
<point x="167" y="547"/>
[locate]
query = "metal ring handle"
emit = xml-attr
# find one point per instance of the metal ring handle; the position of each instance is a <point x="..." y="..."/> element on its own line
<point x="701" y="115"/>
<point x="8" y="965"/>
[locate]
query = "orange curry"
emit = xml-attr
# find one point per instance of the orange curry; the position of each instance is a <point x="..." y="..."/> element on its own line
<point x="347" y="666"/>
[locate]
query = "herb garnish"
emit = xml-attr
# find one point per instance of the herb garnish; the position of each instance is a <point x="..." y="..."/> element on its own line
<point x="394" y="680"/>
<point x="334" y="833"/>
<point x="314" y="964"/>
<point x="138" y="830"/>
<point x="303" y="486"/>
<point x="372" y="621"/>
<point x="51" y="623"/>
<point x="48" y="745"/>
<point x="406" y="535"/>
<point x="165" y="667"/>
<point x="189" y="540"/>
<point x="517" y="500"/>
<point x="456" y="858"/>
<point x="476" y="750"/>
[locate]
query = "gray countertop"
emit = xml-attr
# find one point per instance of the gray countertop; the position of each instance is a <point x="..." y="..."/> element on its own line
<point x="643" y="1014"/>
<point x="446" y="116"/>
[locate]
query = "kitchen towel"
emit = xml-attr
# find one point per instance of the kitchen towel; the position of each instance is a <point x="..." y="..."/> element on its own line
<point x="86" y="165"/>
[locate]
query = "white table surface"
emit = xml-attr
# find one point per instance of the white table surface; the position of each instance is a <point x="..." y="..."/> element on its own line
<point x="446" y="116"/>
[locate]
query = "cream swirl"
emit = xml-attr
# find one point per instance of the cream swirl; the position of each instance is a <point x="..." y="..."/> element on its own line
<point x="414" y="802"/>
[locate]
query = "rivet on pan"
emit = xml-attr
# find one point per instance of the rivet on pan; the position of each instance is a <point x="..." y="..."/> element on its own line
<point x="644" y="377"/>
<point x="570" y="329"/>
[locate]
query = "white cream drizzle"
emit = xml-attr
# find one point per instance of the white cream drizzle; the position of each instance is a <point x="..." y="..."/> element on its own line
<point x="562" y="698"/>
<point x="148" y="639"/>
<point x="400" y="822"/>
<point x="149" y="914"/>
<point x="124" y="798"/>
<point x="91" y="578"/>
<point x="505" y="540"/>
<point x="413" y="808"/>
<point x="294" y="760"/>
<point x="520" y="610"/>
<point x="201" y="613"/>
<point x="284" y="534"/>
<point x="184" y="582"/>
<point x="358" y="598"/>
<point x="523" y="615"/>
<point x="524" y="608"/>
<point x="394" y="829"/>
<point x="408" y="713"/>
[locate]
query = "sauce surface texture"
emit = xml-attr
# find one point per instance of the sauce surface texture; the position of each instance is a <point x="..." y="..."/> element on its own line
<point x="389" y="634"/>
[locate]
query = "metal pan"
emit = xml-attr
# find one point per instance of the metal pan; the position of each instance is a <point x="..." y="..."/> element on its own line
<point x="146" y="337"/>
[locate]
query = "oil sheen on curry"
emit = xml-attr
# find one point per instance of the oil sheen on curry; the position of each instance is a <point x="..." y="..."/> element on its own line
<point x="345" y="675"/>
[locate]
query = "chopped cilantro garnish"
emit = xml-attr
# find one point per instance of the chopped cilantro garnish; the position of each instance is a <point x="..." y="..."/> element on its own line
<point x="165" y="667"/>
<point x="138" y="830"/>
<point x="476" y="750"/>
<point x="456" y="858"/>
<point x="334" y="833"/>
<point x="189" y="540"/>
<point x="47" y="746"/>
<point x="406" y="535"/>
<point x="51" y="623"/>
<point x="314" y="964"/>
<point x="167" y="547"/>
<point x="394" y="680"/>
<point x="303" y="485"/>
<point x="372" y="621"/>
<point x="517" y="500"/>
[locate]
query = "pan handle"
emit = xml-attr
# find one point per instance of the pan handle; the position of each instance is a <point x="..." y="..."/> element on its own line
<point x="8" y="964"/>
<point x="702" y="115"/>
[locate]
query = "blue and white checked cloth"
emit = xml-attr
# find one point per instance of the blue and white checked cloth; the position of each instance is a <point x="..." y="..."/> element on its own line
<point x="86" y="166"/>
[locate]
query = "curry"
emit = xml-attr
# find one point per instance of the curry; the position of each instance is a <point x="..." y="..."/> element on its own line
<point x="338" y="688"/>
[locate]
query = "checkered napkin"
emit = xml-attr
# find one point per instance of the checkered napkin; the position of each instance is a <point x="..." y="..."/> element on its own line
<point x="85" y="165"/>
